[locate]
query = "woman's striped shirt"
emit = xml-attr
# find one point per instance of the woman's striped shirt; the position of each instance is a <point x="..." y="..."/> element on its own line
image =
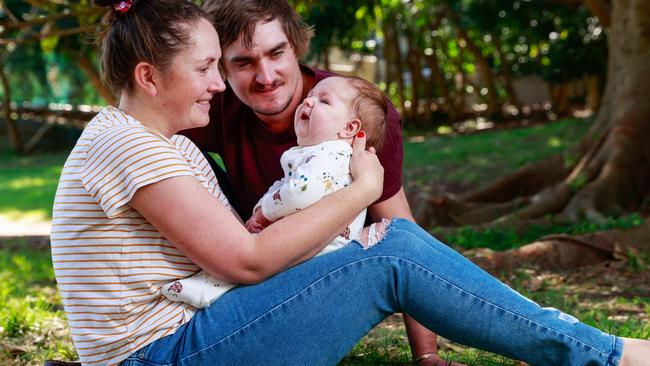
<point x="109" y="261"/>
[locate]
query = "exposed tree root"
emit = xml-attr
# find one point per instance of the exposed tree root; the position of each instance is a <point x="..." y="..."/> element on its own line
<point x="611" y="176"/>
<point x="526" y="181"/>
<point x="566" y="252"/>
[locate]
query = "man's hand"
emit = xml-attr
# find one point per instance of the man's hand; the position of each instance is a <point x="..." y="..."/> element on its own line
<point x="257" y="222"/>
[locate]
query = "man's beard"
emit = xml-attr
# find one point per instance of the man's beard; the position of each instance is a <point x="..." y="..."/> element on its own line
<point x="278" y="109"/>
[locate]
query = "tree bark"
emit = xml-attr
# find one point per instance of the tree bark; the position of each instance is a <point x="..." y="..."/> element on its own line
<point x="415" y="67"/>
<point x="592" y="87"/>
<point x="394" y="59"/>
<point x="325" y="53"/>
<point x="12" y="128"/>
<point x="486" y="73"/>
<point x="482" y="64"/>
<point x="621" y="166"/>
<point x="567" y="252"/>
<point x="560" y="97"/>
<point x="506" y="73"/>
<point x="90" y="71"/>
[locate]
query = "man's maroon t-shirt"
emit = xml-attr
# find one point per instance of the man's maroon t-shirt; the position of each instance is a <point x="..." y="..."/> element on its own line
<point x="251" y="152"/>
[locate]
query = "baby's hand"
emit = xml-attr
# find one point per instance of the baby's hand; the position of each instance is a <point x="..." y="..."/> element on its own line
<point x="257" y="222"/>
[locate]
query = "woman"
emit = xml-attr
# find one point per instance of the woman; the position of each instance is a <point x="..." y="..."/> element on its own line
<point x="137" y="206"/>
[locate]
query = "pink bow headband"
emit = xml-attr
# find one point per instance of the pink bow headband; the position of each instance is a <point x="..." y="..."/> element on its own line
<point x="123" y="6"/>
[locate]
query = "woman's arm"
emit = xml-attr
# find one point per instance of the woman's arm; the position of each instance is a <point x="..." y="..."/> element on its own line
<point x="210" y="235"/>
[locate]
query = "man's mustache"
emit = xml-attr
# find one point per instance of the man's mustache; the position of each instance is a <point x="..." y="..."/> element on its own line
<point x="261" y="87"/>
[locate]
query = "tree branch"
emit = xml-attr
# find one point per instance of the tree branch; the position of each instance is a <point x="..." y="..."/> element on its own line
<point x="8" y="12"/>
<point x="38" y="36"/>
<point x="16" y="24"/>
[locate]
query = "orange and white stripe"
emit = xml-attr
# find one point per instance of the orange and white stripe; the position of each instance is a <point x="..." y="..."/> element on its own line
<point x="109" y="261"/>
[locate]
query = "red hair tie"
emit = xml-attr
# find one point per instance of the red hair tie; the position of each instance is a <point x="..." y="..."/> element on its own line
<point x="123" y="6"/>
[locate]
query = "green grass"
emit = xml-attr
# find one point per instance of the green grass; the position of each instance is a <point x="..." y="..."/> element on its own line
<point x="32" y="318"/>
<point x="28" y="184"/>
<point x="503" y="238"/>
<point x="589" y="301"/>
<point x="32" y="321"/>
<point x="475" y="159"/>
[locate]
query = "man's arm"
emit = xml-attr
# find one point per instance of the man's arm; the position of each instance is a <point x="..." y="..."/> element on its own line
<point x="396" y="206"/>
<point x="424" y="343"/>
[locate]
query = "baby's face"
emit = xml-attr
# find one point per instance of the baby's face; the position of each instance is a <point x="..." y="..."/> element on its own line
<point x="325" y="112"/>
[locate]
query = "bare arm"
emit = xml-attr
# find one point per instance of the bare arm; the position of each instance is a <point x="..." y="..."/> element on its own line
<point x="396" y="206"/>
<point x="210" y="235"/>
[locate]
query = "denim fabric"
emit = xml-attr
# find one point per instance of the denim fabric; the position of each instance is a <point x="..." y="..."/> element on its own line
<point x="314" y="313"/>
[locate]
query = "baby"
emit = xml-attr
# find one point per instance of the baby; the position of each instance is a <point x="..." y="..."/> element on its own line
<point x="326" y="122"/>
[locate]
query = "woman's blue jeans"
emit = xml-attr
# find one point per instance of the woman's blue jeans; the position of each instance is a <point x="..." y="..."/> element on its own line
<point x="314" y="313"/>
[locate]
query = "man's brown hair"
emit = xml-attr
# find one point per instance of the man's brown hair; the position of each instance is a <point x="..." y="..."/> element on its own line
<point x="370" y="105"/>
<point x="235" y="18"/>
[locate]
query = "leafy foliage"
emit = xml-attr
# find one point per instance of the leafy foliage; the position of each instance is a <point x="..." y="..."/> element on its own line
<point x="31" y="314"/>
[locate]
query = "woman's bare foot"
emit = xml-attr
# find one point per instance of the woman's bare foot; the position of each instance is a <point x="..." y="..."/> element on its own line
<point x="636" y="352"/>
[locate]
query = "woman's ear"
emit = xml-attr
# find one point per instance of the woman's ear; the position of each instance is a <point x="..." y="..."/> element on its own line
<point x="351" y="128"/>
<point x="146" y="77"/>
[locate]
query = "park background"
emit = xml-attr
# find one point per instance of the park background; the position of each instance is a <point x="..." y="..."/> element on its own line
<point x="525" y="147"/>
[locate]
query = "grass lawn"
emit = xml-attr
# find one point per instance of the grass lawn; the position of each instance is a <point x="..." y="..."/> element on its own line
<point x="28" y="184"/>
<point x="32" y="322"/>
<point x="615" y="298"/>
<point x="472" y="160"/>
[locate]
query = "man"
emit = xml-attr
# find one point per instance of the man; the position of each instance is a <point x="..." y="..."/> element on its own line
<point x="251" y="123"/>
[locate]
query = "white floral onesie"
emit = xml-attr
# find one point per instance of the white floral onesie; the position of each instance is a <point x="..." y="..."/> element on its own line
<point x="310" y="173"/>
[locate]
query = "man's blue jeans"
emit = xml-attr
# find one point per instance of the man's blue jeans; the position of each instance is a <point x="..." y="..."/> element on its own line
<point x="314" y="313"/>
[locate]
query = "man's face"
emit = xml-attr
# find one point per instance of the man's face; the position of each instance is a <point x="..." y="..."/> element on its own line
<point x="267" y="77"/>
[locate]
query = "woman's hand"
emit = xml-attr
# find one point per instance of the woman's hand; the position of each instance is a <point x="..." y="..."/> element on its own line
<point x="365" y="168"/>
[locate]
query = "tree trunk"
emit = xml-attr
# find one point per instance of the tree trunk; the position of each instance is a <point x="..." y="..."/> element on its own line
<point x="620" y="168"/>
<point x="325" y="53"/>
<point x="394" y="59"/>
<point x="460" y="84"/>
<point x="482" y="64"/>
<point x="413" y="61"/>
<point x="12" y="128"/>
<point x="506" y="73"/>
<point x="429" y="97"/>
<point x="561" y="97"/>
<point x="592" y="87"/>
<point x="486" y="73"/>
<point x="612" y="174"/>
<point x="438" y="77"/>
<point x="437" y="74"/>
<point x="92" y="74"/>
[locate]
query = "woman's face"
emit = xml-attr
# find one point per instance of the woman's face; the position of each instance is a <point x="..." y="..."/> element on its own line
<point x="192" y="79"/>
